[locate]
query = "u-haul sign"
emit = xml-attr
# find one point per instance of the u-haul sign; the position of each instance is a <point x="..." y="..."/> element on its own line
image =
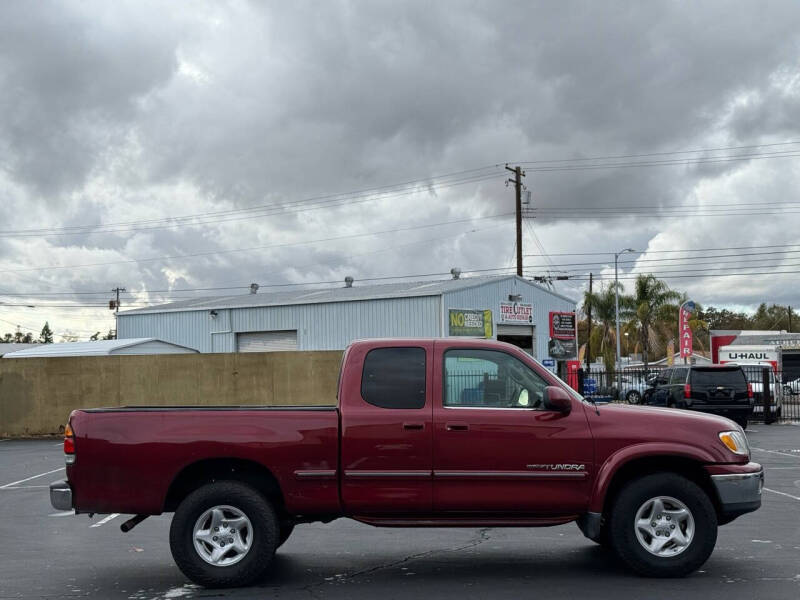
<point x="749" y="355"/>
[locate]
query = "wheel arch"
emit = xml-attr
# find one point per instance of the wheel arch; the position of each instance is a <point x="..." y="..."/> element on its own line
<point x="202" y="472"/>
<point x="619" y="470"/>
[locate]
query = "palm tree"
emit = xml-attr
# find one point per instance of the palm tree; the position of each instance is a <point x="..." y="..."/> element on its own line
<point x="652" y="303"/>
<point x="603" y="338"/>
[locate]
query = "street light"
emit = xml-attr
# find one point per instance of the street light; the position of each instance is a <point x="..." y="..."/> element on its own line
<point x="616" y="295"/>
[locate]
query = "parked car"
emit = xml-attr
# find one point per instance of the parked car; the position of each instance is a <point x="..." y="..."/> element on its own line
<point x="792" y="387"/>
<point x="755" y="377"/>
<point x="632" y="387"/>
<point x="717" y="389"/>
<point x="426" y="433"/>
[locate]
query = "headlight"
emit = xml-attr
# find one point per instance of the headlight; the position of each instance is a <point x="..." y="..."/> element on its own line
<point x="735" y="441"/>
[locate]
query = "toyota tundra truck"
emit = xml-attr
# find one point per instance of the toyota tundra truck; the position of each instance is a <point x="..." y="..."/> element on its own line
<point x="423" y="433"/>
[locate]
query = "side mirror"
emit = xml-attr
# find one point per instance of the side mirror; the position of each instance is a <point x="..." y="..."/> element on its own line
<point x="557" y="399"/>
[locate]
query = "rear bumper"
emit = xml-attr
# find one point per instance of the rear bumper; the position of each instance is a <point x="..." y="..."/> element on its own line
<point x="739" y="491"/>
<point x="61" y="495"/>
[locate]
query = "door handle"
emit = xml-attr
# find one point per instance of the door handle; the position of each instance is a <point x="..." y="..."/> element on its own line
<point x="456" y="426"/>
<point x="413" y="426"/>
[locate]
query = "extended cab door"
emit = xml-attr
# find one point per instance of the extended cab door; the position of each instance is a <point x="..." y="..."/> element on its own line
<point x="386" y="432"/>
<point x="496" y="448"/>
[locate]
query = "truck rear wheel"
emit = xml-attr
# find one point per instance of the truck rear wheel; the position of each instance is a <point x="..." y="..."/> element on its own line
<point x="663" y="525"/>
<point x="224" y="534"/>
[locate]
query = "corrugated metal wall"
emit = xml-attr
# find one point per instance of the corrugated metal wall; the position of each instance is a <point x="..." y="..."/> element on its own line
<point x="330" y="326"/>
<point x="490" y="295"/>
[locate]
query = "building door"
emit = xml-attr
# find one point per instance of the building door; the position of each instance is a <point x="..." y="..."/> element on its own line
<point x="521" y="336"/>
<point x="267" y="341"/>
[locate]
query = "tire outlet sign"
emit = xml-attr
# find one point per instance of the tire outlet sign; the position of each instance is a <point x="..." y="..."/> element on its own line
<point x="516" y="312"/>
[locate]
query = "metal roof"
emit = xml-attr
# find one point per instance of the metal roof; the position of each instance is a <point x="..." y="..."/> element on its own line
<point x="405" y="289"/>
<point x="94" y="348"/>
<point x="14" y="347"/>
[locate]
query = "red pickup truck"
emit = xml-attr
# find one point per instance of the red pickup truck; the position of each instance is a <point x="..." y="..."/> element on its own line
<point x="426" y="433"/>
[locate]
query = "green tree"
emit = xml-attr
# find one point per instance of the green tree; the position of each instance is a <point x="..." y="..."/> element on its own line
<point x="8" y="338"/>
<point x="603" y="338"/>
<point x="46" y="336"/>
<point x="651" y="305"/>
<point x="97" y="335"/>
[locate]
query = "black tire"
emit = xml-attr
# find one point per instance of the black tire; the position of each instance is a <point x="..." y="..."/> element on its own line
<point x="622" y="529"/>
<point x="742" y="422"/>
<point x="633" y="397"/>
<point x="265" y="535"/>
<point x="285" y="530"/>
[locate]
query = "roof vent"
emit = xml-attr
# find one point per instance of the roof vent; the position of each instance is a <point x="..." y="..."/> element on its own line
<point x="455" y="272"/>
<point x="254" y="288"/>
<point x="348" y="281"/>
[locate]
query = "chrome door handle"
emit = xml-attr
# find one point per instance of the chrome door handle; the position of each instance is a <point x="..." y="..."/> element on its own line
<point x="456" y="426"/>
<point x="413" y="426"/>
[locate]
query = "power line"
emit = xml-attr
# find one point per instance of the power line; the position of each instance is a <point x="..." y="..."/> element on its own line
<point x="682" y="260"/>
<point x="661" y="163"/>
<point x="649" y="154"/>
<point x="270" y="246"/>
<point x="133" y="293"/>
<point x="668" y="276"/>
<point x="611" y="253"/>
<point x="254" y="212"/>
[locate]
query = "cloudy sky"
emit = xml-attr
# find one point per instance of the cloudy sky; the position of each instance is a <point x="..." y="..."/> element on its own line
<point x="169" y="147"/>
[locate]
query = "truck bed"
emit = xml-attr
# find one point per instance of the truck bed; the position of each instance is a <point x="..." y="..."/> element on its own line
<point x="129" y="459"/>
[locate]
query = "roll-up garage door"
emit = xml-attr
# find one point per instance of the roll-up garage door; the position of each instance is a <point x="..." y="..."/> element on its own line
<point x="267" y="341"/>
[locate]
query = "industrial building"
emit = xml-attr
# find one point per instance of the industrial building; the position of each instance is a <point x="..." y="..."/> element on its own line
<point x="126" y="347"/>
<point x="506" y="308"/>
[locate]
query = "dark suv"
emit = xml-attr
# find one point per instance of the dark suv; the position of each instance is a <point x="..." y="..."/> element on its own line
<point x="718" y="389"/>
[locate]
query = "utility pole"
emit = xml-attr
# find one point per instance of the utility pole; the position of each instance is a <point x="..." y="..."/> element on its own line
<point x="517" y="181"/>
<point x="790" y="319"/>
<point x="114" y="304"/>
<point x="589" y="329"/>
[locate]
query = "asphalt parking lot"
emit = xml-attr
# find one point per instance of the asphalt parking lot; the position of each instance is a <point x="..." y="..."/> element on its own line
<point x="47" y="554"/>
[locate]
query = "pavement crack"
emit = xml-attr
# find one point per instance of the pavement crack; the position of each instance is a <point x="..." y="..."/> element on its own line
<point x="481" y="537"/>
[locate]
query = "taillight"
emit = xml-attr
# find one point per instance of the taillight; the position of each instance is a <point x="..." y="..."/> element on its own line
<point x="749" y="390"/>
<point x="687" y="390"/>
<point x="69" y="445"/>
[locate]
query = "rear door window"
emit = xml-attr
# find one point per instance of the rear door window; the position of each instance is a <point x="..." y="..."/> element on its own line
<point x="394" y="378"/>
<point x="718" y="377"/>
<point x="679" y="375"/>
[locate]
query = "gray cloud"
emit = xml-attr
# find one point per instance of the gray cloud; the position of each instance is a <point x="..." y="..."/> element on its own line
<point x="135" y="111"/>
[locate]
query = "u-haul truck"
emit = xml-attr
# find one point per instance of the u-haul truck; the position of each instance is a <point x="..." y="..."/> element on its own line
<point x="758" y="356"/>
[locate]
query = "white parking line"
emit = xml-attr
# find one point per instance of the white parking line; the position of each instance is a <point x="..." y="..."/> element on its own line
<point x="13" y="483"/>
<point x="776" y="452"/>
<point x="68" y="513"/>
<point x="106" y="520"/>
<point x="24" y="487"/>
<point x="783" y="494"/>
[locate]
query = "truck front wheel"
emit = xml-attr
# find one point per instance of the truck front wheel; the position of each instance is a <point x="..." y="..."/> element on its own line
<point x="663" y="525"/>
<point x="224" y="535"/>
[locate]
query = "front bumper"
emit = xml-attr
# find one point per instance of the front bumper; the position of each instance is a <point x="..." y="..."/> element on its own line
<point x="739" y="492"/>
<point x="61" y="495"/>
